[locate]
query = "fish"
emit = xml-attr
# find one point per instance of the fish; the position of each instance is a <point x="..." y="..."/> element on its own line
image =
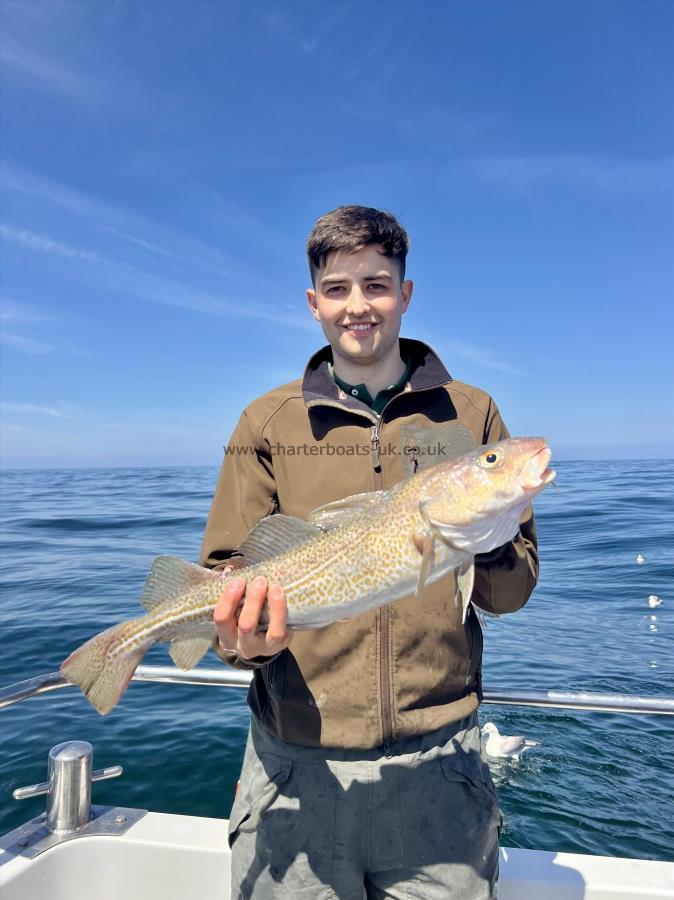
<point x="349" y="556"/>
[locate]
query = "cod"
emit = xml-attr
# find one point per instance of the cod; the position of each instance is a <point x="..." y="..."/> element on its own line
<point x="350" y="556"/>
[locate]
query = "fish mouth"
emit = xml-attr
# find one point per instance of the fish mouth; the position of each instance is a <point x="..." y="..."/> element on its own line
<point x="536" y="473"/>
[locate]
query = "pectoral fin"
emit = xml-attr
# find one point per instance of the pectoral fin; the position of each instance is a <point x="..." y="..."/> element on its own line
<point x="187" y="652"/>
<point x="425" y="544"/>
<point x="441" y="529"/>
<point x="465" y="580"/>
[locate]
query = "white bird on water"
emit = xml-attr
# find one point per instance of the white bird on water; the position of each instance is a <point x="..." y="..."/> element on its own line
<point x="505" y="745"/>
<point x="654" y="601"/>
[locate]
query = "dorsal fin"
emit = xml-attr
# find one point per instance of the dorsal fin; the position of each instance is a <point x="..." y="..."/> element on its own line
<point x="275" y="535"/>
<point x="169" y="577"/>
<point x="341" y="512"/>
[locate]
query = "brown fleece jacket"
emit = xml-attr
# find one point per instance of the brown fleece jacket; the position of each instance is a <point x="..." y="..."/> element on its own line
<point x="409" y="667"/>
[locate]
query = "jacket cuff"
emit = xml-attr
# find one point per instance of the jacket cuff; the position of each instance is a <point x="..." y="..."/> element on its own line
<point x="238" y="662"/>
<point x="497" y="555"/>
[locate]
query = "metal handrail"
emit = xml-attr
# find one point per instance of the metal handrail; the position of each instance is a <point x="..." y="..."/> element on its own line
<point x="584" y="700"/>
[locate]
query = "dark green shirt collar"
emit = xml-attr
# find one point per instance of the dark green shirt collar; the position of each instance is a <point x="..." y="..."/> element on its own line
<point x="360" y="392"/>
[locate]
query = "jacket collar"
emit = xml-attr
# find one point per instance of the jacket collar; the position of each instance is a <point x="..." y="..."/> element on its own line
<point x="318" y="385"/>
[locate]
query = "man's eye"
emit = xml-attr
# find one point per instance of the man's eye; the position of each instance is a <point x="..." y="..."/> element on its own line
<point x="337" y="289"/>
<point x="377" y="287"/>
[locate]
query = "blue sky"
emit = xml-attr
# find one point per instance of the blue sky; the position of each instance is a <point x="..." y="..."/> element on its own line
<point x="164" y="162"/>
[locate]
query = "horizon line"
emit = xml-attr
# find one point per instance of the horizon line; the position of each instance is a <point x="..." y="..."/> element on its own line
<point x="93" y="466"/>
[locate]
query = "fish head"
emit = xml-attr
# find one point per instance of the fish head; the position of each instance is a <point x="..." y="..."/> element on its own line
<point x="476" y="500"/>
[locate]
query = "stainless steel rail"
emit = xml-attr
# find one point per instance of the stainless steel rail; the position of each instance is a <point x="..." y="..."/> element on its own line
<point x="223" y="677"/>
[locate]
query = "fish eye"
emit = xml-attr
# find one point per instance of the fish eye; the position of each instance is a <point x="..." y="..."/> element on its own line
<point x="490" y="458"/>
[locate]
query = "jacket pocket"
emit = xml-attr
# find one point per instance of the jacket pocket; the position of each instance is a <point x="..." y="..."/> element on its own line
<point x="425" y="445"/>
<point x="480" y="807"/>
<point x="257" y="793"/>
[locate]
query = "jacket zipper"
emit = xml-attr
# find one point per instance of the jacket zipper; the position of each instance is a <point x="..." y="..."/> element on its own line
<point x="376" y="461"/>
<point x="383" y="614"/>
<point x="384" y="621"/>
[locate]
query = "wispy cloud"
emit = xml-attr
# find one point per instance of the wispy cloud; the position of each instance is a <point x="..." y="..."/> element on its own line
<point x="323" y="29"/>
<point x="131" y="226"/>
<point x="34" y="410"/>
<point x="483" y="356"/>
<point x="27" y="345"/>
<point x="114" y="275"/>
<point x="32" y="241"/>
<point x="19" y="317"/>
<point x="64" y="49"/>
<point x="12" y="311"/>
<point x="48" y="73"/>
<point x="602" y="173"/>
<point x="281" y="29"/>
<point x="116" y="219"/>
<point x="371" y="61"/>
<point x="556" y="171"/>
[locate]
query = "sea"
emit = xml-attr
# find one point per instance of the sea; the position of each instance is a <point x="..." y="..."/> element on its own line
<point x="77" y="545"/>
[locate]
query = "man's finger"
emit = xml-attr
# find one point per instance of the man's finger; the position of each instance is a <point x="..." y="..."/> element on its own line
<point x="226" y="610"/>
<point x="277" y="633"/>
<point x="256" y="593"/>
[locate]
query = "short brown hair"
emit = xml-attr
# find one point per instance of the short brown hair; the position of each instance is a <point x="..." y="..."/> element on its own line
<point x="352" y="228"/>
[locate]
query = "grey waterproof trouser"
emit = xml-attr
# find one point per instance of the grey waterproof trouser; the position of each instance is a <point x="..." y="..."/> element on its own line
<point x="420" y="822"/>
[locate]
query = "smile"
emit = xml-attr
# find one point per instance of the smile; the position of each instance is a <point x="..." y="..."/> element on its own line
<point x="361" y="327"/>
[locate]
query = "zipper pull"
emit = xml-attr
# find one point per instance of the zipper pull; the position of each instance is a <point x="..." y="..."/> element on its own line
<point x="414" y="456"/>
<point x="375" y="448"/>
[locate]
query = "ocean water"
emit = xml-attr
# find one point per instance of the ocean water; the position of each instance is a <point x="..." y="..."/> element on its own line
<point x="77" y="545"/>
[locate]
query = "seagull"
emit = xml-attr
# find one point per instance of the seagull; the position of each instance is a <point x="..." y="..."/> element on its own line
<point x="654" y="601"/>
<point x="639" y="559"/>
<point x="505" y="745"/>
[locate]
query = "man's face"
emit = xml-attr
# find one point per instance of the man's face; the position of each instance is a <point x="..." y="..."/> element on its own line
<point x="359" y="301"/>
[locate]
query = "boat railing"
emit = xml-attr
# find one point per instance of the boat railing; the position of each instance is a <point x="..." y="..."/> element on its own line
<point x="69" y="814"/>
<point x="234" y="678"/>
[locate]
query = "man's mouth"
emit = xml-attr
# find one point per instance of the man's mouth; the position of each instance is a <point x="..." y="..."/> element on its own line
<point x="360" y="327"/>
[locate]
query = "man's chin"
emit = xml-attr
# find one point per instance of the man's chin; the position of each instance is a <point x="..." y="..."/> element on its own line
<point x="357" y="354"/>
<point x="359" y="348"/>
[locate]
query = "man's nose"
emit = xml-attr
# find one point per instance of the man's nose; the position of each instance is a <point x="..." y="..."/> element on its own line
<point x="357" y="304"/>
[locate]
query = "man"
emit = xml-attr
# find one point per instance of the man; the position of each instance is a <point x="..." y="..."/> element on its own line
<point x="364" y="769"/>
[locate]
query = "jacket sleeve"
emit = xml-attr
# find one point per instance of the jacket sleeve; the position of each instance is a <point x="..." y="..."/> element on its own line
<point x="246" y="493"/>
<point x="505" y="578"/>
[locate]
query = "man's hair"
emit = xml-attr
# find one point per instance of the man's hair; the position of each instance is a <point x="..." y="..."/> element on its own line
<point x="352" y="228"/>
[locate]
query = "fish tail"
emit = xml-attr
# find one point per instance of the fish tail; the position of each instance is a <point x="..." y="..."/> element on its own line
<point x="102" y="676"/>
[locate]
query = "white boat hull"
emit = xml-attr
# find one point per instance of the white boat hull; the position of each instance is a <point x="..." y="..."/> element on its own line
<point x="169" y="857"/>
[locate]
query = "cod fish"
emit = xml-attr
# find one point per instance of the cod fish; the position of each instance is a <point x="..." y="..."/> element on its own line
<point x="349" y="556"/>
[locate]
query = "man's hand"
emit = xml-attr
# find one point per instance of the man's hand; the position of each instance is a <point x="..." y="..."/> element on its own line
<point x="237" y="628"/>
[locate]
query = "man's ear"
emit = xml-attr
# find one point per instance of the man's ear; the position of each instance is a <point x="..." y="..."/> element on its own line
<point x="313" y="304"/>
<point x="406" y="289"/>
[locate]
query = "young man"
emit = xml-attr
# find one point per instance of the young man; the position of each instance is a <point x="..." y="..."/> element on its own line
<point x="364" y="770"/>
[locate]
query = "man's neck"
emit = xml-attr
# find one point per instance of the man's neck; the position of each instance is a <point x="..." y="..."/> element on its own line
<point x="376" y="376"/>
